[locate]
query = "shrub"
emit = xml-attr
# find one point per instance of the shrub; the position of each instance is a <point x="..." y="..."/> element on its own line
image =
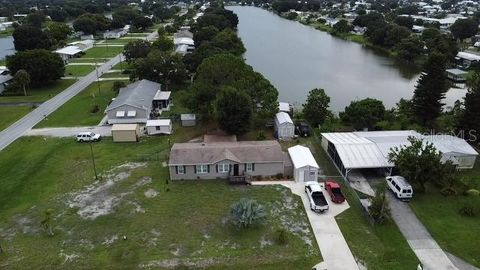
<point x="261" y="136"/>
<point x="247" y="212"/>
<point x="467" y="211"/>
<point x="95" y="109"/>
<point x="281" y="237"/>
<point x="472" y="192"/>
<point x="279" y="176"/>
<point x="448" y="191"/>
<point x="379" y="210"/>
<point x="321" y="20"/>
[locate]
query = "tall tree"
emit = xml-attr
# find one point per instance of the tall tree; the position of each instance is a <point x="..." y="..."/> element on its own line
<point x="28" y="38"/>
<point x="410" y="48"/>
<point x="136" y="49"/>
<point x="43" y="66"/>
<point x="430" y="90"/>
<point x="35" y="19"/>
<point x="22" y="78"/>
<point x="364" y="113"/>
<point x="315" y="110"/>
<point x="470" y="120"/>
<point x="464" y="28"/>
<point x="419" y="162"/>
<point x="342" y="26"/>
<point x="233" y="111"/>
<point x="59" y="31"/>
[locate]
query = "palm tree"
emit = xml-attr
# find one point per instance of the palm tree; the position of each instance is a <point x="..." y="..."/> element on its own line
<point x="22" y="78"/>
<point x="246" y="212"/>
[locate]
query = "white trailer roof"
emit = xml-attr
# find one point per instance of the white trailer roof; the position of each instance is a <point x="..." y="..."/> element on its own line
<point x="301" y="157"/>
<point x="283" y="117"/>
<point x="451" y="144"/>
<point x="284" y="106"/>
<point x="468" y="56"/>
<point x="69" y="50"/>
<point x="158" y="122"/>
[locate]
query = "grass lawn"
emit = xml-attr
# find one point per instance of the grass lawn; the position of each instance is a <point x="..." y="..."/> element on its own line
<point x="122" y="66"/>
<point x="83" y="60"/>
<point x="455" y="233"/>
<point x="3" y="62"/>
<point x="7" y="32"/>
<point x="115" y="75"/>
<point x="10" y="114"/>
<point x="39" y="94"/>
<point x="78" y="70"/>
<point x="77" y="111"/>
<point x="103" y="52"/>
<point x="186" y="225"/>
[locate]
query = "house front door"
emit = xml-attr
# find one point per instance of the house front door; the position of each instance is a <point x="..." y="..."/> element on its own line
<point x="235" y="169"/>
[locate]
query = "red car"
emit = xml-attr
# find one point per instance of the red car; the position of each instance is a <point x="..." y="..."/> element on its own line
<point x="335" y="192"/>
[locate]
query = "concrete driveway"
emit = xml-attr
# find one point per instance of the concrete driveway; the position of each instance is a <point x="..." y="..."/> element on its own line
<point x="422" y="243"/>
<point x="330" y="240"/>
<point x="68" y="131"/>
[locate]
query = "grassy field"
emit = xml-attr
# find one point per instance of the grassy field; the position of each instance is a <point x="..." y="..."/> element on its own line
<point x="10" y="114"/>
<point x="102" y="52"/>
<point x="77" y="111"/>
<point x="78" y="70"/>
<point x="184" y="226"/>
<point x="7" y="32"/>
<point x="115" y="75"/>
<point x="455" y="233"/>
<point x="87" y="60"/>
<point x="40" y="94"/>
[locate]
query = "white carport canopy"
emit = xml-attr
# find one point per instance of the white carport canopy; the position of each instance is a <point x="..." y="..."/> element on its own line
<point x="301" y="157"/>
<point x="69" y="50"/>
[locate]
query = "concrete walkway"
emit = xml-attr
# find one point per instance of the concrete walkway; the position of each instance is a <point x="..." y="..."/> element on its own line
<point x="422" y="243"/>
<point x="330" y="240"/>
<point x="60" y="132"/>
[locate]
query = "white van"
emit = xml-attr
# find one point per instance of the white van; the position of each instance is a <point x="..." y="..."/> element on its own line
<point x="400" y="187"/>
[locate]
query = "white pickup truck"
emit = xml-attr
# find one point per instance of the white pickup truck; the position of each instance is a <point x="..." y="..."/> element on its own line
<point x="317" y="200"/>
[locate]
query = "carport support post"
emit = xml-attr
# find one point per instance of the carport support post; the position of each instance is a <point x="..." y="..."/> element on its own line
<point x="93" y="161"/>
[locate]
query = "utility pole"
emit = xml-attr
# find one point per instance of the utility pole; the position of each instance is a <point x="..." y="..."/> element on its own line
<point x="93" y="161"/>
<point x="98" y="79"/>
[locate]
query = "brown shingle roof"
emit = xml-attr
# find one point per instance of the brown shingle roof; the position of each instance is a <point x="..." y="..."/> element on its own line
<point x="242" y="152"/>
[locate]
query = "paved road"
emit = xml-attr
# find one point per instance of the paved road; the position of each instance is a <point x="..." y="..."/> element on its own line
<point x="422" y="243"/>
<point x="330" y="240"/>
<point x="68" y="131"/>
<point x="10" y="134"/>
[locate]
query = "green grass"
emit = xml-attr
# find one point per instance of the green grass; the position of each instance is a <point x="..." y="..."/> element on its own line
<point x="10" y="114"/>
<point x="7" y="32"/>
<point x="190" y="218"/>
<point x="122" y="66"/>
<point x="78" y="70"/>
<point x="83" y="60"/>
<point x="39" y="94"/>
<point x="455" y="233"/>
<point x="103" y="52"/>
<point x="77" y="111"/>
<point x="115" y="75"/>
<point x="3" y="62"/>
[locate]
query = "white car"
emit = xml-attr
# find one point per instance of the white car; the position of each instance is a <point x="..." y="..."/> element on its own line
<point x="400" y="187"/>
<point x="88" y="137"/>
<point x="317" y="200"/>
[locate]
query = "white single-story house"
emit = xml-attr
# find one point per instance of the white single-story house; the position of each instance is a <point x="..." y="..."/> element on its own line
<point x="134" y="103"/>
<point x="113" y="34"/>
<point x="159" y="126"/>
<point x="69" y="52"/>
<point x="284" y="127"/>
<point x="465" y="59"/>
<point x="370" y="149"/>
<point x="83" y="45"/>
<point x="184" y="45"/>
<point x="305" y="168"/>
<point x="86" y="37"/>
<point x="188" y="119"/>
<point x="456" y="75"/>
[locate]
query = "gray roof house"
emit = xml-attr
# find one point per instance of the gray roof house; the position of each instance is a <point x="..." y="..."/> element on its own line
<point x="134" y="103"/>
<point x="236" y="161"/>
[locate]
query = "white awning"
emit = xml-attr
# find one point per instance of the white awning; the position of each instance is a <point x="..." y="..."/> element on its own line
<point x="132" y="113"/>
<point x="120" y="114"/>
<point x="69" y="50"/>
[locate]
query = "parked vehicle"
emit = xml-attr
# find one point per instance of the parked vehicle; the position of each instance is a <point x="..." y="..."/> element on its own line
<point x="333" y="188"/>
<point x="400" y="187"/>
<point x="302" y="129"/>
<point x="317" y="200"/>
<point x="88" y="137"/>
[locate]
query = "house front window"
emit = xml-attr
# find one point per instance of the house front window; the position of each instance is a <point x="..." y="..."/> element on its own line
<point x="250" y="167"/>
<point x="180" y="169"/>
<point x="223" y="168"/>
<point x="201" y="169"/>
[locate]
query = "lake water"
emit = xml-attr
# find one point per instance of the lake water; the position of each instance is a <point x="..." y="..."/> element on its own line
<point x="297" y="58"/>
<point x="6" y="46"/>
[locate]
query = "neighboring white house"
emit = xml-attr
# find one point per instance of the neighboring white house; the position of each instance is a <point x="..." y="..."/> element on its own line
<point x="134" y="103"/>
<point x="68" y="52"/>
<point x="305" y="168"/>
<point x="183" y="45"/>
<point x="83" y="45"/>
<point x="116" y="33"/>
<point x="284" y="127"/>
<point x="159" y="126"/>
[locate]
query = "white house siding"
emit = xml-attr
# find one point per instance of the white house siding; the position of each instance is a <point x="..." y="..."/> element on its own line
<point x="299" y="174"/>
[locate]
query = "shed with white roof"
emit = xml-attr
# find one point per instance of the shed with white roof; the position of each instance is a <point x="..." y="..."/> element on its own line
<point x="305" y="167"/>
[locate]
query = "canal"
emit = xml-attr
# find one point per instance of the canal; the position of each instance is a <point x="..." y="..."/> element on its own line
<point x="6" y="46"/>
<point x="297" y="58"/>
